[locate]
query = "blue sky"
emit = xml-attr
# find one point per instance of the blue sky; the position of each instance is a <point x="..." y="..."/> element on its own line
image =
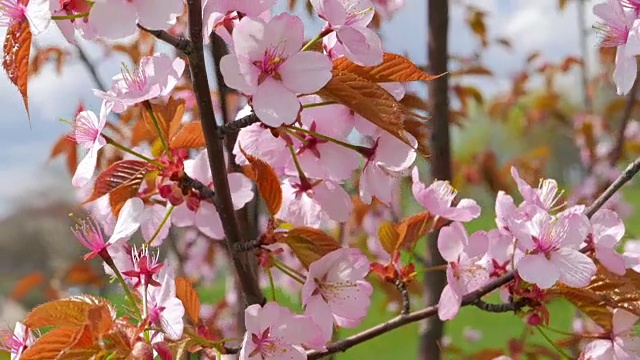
<point x="26" y="176"/>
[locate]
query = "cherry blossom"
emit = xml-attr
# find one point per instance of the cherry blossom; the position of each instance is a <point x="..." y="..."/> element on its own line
<point x="87" y="132"/>
<point x="620" y="29"/>
<point x="69" y="27"/>
<point x="90" y="236"/>
<point x="153" y="216"/>
<point x="465" y="272"/>
<point x="623" y="344"/>
<point x="545" y="196"/>
<point x="388" y="7"/>
<point x="437" y="199"/>
<point x="16" y="342"/>
<point x="268" y="65"/>
<point x="164" y="308"/>
<point x="155" y="76"/>
<point x="386" y="161"/>
<point x="551" y="245"/>
<point x="313" y="204"/>
<point x="36" y="12"/>
<point x="201" y="212"/>
<point x="148" y="13"/>
<point x="607" y="231"/>
<point x="349" y="19"/>
<point x="145" y="266"/>
<point x="274" y="332"/>
<point x="221" y="15"/>
<point x="335" y="290"/>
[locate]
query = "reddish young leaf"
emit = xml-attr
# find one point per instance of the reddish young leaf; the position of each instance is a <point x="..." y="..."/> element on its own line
<point x="266" y="179"/>
<point x="190" y="299"/>
<point x="393" y="68"/>
<point x="476" y="22"/>
<point x="17" y="47"/>
<point x="25" y="285"/>
<point x="66" y="146"/>
<point x="309" y="244"/>
<point x="119" y="196"/>
<point x="168" y="115"/>
<point x="367" y="99"/>
<point x="73" y="311"/>
<point x="190" y="136"/>
<point x="412" y="228"/>
<point x="124" y="173"/>
<point x="52" y="344"/>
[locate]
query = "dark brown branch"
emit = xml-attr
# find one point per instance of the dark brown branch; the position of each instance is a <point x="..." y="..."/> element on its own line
<point x="181" y="44"/>
<point x="500" y="308"/>
<point x="188" y="182"/>
<point x="243" y="263"/>
<point x="435" y="281"/>
<point x="618" y="150"/>
<point x="236" y="125"/>
<point x="247" y="246"/>
<point x="469" y="299"/>
<point x="91" y="68"/>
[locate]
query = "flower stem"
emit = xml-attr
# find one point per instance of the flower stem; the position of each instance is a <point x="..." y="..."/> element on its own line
<point x="291" y="129"/>
<point x="318" y="104"/>
<point x="288" y="270"/>
<point x="319" y="37"/>
<point x="301" y="174"/>
<point x="553" y="344"/>
<point x="272" y="284"/>
<point x="116" y="144"/>
<point x="126" y="288"/>
<point x="69" y="17"/>
<point x="164" y="221"/>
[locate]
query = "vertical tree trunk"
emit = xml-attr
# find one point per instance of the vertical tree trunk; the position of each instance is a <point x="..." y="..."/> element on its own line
<point x="434" y="281"/>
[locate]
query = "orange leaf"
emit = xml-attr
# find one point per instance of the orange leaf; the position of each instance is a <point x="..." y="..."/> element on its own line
<point x="309" y="244"/>
<point x="73" y="311"/>
<point x="473" y="70"/>
<point x="64" y="145"/>
<point x="25" y="285"/>
<point x="52" y="344"/>
<point x="266" y="179"/>
<point x="80" y="273"/>
<point x="368" y="100"/>
<point x="393" y="68"/>
<point x="412" y="228"/>
<point x="190" y="136"/>
<point x="168" y="115"/>
<point x="120" y="174"/>
<point x="477" y="25"/>
<point x="388" y="236"/>
<point x="190" y="299"/>
<point x="17" y="47"/>
<point x="120" y="195"/>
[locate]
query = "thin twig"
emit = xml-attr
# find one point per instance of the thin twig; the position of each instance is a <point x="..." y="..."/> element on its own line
<point x="243" y="262"/>
<point x="236" y="125"/>
<point x="91" y="68"/>
<point x="188" y="182"/>
<point x="181" y="44"/>
<point x="500" y="308"/>
<point x="618" y="150"/>
<point x="470" y="298"/>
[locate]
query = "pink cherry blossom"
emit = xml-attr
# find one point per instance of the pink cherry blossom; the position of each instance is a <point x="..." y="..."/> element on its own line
<point x="90" y="236"/>
<point x="623" y="344"/>
<point x="551" y="245"/>
<point x="607" y="231"/>
<point x="201" y="212"/>
<point x="16" y="342"/>
<point x="620" y="29"/>
<point x="69" y="27"/>
<point x="152" y="217"/>
<point x="274" y="333"/>
<point x="218" y="15"/>
<point x="386" y="161"/>
<point x="87" y="132"/>
<point x="349" y="19"/>
<point x="502" y="252"/>
<point x="388" y="7"/>
<point x="267" y="64"/>
<point x="148" y="13"/>
<point x="437" y="199"/>
<point x="164" y="309"/>
<point x="36" y="12"/>
<point x="465" y="272"/>
<point x="155" y="76"/>
<point x="313" y="204"/>
<point x="335" y="290"/>
<point x="545" y="196"/>
<point x="145" y="266"/>
<point x="632" y="254"/>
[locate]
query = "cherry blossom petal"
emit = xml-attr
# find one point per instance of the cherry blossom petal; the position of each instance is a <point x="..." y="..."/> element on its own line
<point x="128" y="220"/>
<point x="576" y="268"/>
<point x="306" y="72"/>
<point x="208" y="221"/>
<point x="334" y="200"/>
<point x="611" y="259"/>
<point x="284" y="26"/>
<point x="449" y="304"/>
<point x="39" y="16"/>
<point x="230" y="69"/>
<point x="241" y="189"/>
<point x="536" y="269"/>
<point x="362" y="45"/>
<point x="160" y="15"/>
<point x="151" y="218"/>
<point x="623" y="321"/>
<point x="182" y="216"/>
<point x="274" y="104"/>
<point x="451" y="241"/>
<point x="624" y="74"/>
<point x="86" y="168"/>
<point x="104" y="11"/>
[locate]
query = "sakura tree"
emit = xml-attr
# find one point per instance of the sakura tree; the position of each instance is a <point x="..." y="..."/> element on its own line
<point x="291" y="175"/>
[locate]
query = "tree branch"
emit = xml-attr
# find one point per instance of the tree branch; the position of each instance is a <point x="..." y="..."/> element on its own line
<point x="618" y="150"/>
<point x="91" y="68"/>
<point x="404" y="293"/>
<point x="236" y="125"/>
<point x="469" y="299"/>
<point x="181" y="44"/>
<point x="242" y="261"/>
<point x="500" y="308"/>
<point x="188" y="182"/>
